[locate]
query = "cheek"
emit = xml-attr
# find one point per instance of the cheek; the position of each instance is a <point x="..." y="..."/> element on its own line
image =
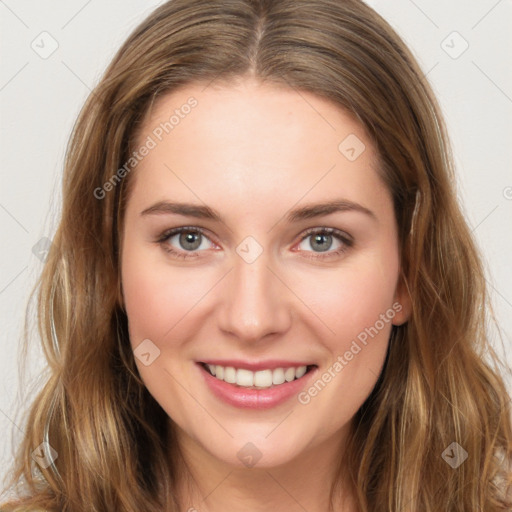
<point x="156" y="296"/>
<point x="355" y="303"/>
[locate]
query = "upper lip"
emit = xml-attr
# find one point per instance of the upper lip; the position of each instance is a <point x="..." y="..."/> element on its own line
<point x="269" y="364"/>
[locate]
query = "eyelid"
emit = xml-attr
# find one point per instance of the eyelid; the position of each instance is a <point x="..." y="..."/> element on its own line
<point x="345" y="239"/>
<point x="169" y="233"/>
<point x="330" y="231"/>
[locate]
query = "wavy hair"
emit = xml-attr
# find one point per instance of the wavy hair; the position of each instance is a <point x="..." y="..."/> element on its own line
<point x="441" y="382"/>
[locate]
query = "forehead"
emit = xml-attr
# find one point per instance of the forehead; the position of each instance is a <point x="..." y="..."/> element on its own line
<point x="255" y="143"/>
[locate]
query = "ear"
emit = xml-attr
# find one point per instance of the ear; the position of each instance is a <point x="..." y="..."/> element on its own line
<point x="402" y="303"/>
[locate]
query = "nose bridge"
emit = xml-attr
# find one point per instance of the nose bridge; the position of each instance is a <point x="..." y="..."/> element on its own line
<point x="255" y="302"/>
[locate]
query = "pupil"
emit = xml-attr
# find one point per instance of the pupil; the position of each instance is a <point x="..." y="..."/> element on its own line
<point x="318" y="239"/>
<point x="190" y="240"/>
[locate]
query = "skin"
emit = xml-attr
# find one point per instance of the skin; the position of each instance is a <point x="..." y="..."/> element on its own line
<point x="253" y="152"/>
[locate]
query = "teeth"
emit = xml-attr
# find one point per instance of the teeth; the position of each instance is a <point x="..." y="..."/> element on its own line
<point x="261" y="379"/>
<point x="278" y="376"/>
<point x="230" y="375"/>
<point x="301" y="370"/>
<point x="289" y="374"/>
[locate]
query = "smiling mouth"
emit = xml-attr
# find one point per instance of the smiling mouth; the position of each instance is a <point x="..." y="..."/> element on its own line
<point x="261" y="379"/>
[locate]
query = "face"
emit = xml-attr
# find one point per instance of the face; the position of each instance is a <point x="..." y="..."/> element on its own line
<point x="260" y="244"/>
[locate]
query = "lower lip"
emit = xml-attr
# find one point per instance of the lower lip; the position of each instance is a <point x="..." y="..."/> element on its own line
<point x="254" y="398"/>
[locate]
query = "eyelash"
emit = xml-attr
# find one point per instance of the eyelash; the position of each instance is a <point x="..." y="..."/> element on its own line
<point x="342" y="237"/>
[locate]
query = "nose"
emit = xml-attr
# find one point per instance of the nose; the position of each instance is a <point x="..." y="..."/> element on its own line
<point x="256" y="302"/>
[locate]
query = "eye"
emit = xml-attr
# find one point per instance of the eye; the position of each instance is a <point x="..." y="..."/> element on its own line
<point x="321" y="240"/>
<point x="184" y="242"/>
<point x="187" y="242"/>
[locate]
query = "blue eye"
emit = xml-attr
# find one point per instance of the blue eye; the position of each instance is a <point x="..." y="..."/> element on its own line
<point x="321" y="241"/>
<point x="189" y="238"/>
<point x="192" y="240"/>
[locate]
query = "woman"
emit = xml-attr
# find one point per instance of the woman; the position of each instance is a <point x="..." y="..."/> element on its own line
<point x="321" y="343"/>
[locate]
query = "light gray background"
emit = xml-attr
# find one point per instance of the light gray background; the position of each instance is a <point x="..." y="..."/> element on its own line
<point x="40" y="99"/>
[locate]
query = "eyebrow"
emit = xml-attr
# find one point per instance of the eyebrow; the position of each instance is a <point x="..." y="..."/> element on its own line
<point x="309" y="211"/>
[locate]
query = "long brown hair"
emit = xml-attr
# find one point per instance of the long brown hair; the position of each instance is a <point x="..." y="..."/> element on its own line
<point x="441" y="383"/>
